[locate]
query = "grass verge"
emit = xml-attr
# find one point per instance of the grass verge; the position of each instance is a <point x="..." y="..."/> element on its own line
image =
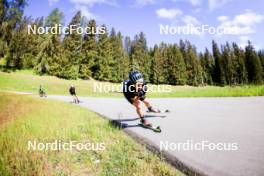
<point x="24" y="118"/>
<point x="27" y="81"/>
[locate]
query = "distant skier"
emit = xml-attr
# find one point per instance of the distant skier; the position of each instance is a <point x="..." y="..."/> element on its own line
<point x="42" y="92"/>
<point x="134" y="90"/>
<point x="73" y="94"/>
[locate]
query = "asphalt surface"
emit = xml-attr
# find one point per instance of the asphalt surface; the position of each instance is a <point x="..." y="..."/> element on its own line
<point x="234" y="125"/>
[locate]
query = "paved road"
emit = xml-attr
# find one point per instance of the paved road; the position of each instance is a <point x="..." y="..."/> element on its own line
<point x="229" y="121"/>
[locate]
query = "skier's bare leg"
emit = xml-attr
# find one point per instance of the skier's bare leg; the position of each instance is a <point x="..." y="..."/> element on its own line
<point x="147" y="103"/>
<point x="77" y="100"/>
<point x="150" y="108"/>
<point x="137" y="104"/>
<point x="140" y="113"/>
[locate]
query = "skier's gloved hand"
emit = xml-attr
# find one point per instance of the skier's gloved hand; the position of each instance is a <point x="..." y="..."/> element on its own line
<point x="141" y="93"/>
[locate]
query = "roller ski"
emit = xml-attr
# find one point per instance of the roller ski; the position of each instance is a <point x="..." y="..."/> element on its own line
<point x="152" y="110"/>
<point x="76" y="101"/>
<point x="147" y="125"/>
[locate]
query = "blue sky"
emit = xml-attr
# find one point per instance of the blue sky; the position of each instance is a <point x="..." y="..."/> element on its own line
<point x="132" y="16"/>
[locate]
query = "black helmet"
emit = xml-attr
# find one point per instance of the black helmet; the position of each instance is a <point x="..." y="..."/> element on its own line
<point x="135" y="76"/>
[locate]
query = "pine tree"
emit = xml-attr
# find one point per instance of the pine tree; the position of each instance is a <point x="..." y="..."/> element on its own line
<point x="176" y="66"/>
<point x="128" y="45"/>
<point x="4" y="5"/>
<point x="50" y="57"/>
<point x="194" y="75"/>
<point x="120" y="65"/>
<point x="17" y="46"/>
<point x="261" y="57"/>
<point x="11" y="27"/>
<point x="54" y="18"/>
<point x="139" y="55"/>
<point x="72" y="44"/>
<point x="207" y="66"/>
<point x="89" y="51"/>
<point x="32" y="43"/>
<point x="228" y="65"/>
<point x="24" y="47"/>
<point x="240" y="67"/>
<point x="157" y="63"/>
<point x="253" y="65"/>
<point x="219" y="74"/>
<point x="101" y="69"/>
<point x="3" y="13"/>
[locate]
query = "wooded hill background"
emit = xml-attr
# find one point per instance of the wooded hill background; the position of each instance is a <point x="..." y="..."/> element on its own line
<point x="110" y="56"/>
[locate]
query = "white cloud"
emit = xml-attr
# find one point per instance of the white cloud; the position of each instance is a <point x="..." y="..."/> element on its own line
<point x="85" y="5"/>
<point x="93" y="2"/>
<point x="248" y="18"/>
<point x="168" y="13"/>
<point x="196" y="2"/>
<point x="213" y="4"/>
<point x="187" y="19"/>
<point x="85" y="11"/>
<point x="222" y="18"/>
<point x="242" y="24"/>
<point x="192" y="2"/>
<point x="51" y="2"/>
<point x="141" y="3"/>
<point x="243" y="42"/>
<point x="176" y="16"/>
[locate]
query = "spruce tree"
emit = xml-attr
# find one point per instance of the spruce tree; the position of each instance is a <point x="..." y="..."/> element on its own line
<point x="207" y="66"/>
<point x="157" y="64"/>
<point x="50" y="58"/>
<point x="89" y="51"/>
<point x="128" y="45"/>
<point x="18" y="46"/>
<point x="261" y="57"/>
<point x="139" y="55"/>
<point x="253" y="65"/>
<point x="228" y="65"/>
<point x="102" y="69"/>
<point x="219" y="74"/>
<point x="72" y="44"/>
<point x="11" y="25"/>
<point x="119" y="68"/>
<point x="54" y="18"/>
<point x="194" y="75"/>
<point x="32" y="42"/>
<point x="240" y="67"/>
<point x="3" y="13"/>
<point x="176" y="66"/>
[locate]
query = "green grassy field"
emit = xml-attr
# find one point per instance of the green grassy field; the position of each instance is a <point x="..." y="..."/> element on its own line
<point x="27" y="81"/>
<point x="25" y="118"/>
